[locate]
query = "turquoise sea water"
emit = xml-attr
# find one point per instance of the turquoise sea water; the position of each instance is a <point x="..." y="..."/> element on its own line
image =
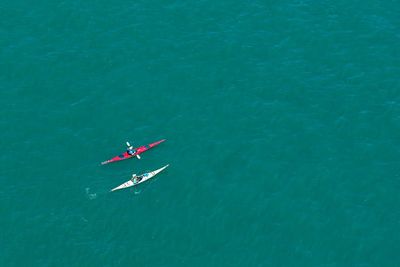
<point x="282" y="121"/>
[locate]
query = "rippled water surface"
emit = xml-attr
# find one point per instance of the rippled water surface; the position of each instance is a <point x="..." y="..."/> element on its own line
<point x="282" y="121"/>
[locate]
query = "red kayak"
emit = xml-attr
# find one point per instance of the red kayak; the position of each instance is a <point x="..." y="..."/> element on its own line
<point x="138" y="151"/>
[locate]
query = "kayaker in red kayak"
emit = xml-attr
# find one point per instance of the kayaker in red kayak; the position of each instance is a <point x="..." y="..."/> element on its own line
<point x="130" y="150"/>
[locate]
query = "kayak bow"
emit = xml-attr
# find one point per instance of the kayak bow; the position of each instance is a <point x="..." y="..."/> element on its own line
<point x="146" y="176"/>
<point x="139" y="150"/>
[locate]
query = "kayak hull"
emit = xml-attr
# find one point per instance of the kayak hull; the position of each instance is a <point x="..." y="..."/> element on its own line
<point x="147" y="176"/>
<point x="139" y="150"/>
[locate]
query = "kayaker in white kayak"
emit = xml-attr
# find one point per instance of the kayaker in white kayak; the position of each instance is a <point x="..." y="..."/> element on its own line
<point x="136" y="179"/>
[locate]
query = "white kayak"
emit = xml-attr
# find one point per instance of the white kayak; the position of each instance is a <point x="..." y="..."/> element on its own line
<point x="146" y="176"/>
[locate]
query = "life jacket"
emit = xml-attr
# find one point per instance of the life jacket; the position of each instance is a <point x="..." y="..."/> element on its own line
<point x="131" y="151"/>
